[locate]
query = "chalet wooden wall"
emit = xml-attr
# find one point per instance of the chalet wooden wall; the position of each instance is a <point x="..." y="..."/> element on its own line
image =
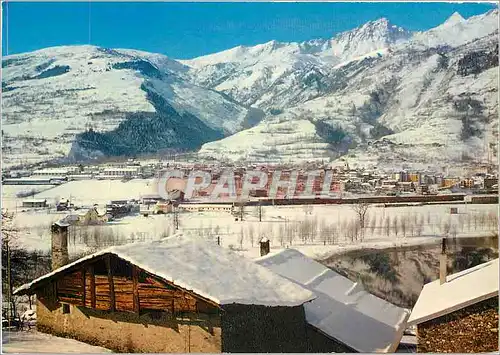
<point x="119" y="306"/>
<point x="111" y="284"/>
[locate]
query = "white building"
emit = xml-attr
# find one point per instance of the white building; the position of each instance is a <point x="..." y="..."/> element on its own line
<point x="128" y="172"/>
<point x="52" y="172"/>
<point x="205" y="207"/>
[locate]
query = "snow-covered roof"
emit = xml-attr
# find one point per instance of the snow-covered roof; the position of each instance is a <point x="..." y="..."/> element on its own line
<point x="34" y="200"/>
<point x="206" y="269"/>
<point x="460" y="290"/>
<point x="121" y="169"/>
<point x="342" y="309"/>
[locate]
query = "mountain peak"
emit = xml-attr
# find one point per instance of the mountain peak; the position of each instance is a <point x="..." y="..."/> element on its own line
<point x="380" y="27"/>
<point x="380" y="21"/>
<point x="454" y="19"/>
<point x="373" y="35"/>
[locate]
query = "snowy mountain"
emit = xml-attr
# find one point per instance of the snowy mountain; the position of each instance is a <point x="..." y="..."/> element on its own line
<point x="410" y="103"/>
<point x="372" y="36"/>
<point x="457" y="31"/>
<point x="377" y="94"/>
<point x="88" y="101"/>
<point x="275" y="75"/>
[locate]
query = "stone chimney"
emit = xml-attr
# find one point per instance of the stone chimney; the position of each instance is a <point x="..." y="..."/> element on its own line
<point x="60" y="257"/>
<point x="443" y="262"/>
<point x="264" y="246"/>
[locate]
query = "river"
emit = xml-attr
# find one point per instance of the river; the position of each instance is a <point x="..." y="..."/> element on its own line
<point x="398" y="274"/>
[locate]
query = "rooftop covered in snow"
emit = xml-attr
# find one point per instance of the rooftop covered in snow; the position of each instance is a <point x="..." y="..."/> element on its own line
<point x="203" y="268"/>
<point x="460" y="290"/>
<point x="343" y="309"/>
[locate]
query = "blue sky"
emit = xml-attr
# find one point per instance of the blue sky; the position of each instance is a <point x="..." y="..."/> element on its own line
<point x="187" y="30"/>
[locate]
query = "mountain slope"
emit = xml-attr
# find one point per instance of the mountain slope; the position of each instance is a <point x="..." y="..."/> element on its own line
<point x="456" y="31"/>
<point x="277" y="75"/>
<point x="376" y="94"/>
<point x="408" y="104"/>
<point x="52" y="95"/>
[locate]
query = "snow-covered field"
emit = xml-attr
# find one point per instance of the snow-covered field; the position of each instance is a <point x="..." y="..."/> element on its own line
<point x="35" y="342"/>
<point x="12" y="194"/>
<point x="90" y="192"/>
<point x="316" y="230"/>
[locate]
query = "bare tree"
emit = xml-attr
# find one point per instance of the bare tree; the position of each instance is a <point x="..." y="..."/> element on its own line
<point x="251" y="234"/>
<point x="282" y="234"/>
<point x="373" y="224"/>
<point x="217" y="230"/>
<point x="313" y="226"/>
<point x="379" y="227"/>
<point x="259" y="212"/>
<point x="333" y="233"/>
<point x="358" y="231"/>
<point x="351" y="230"/>
<point x="446" y="226"/>
<point x="387" y="226"/>
<point x="322" y="228"/>
<point x="240" y="238"/>
<point x="395" y="225"/>
<point x="240" y="209"/>
<point x="493" y="220"/>
<point x="291" y="232"/>
<point x="482" y="219"/>
<point x="453" y="230"/>
<point x="404" y="225"/>
<point x="413" y="223"/>
<point x="468" y="220"/>
<point x="165" y="234"/>
<point x="361" y="209"/>
<point x="9" y="241"/>
<point x="420" y="225"/>
<point x="475" y="216"/>
<point x="461" y="223"/>
<point x="344" y="224"/>
<point x="307" y="230"/>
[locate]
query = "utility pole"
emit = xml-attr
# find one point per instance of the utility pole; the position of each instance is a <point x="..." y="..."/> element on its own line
<point x="260" y="212"/>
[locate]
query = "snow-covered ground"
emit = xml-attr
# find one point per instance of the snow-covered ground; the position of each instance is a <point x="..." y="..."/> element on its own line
<point x="315" y="230"/>
<point x="90" y="192"/>
<point x="12" y="194"/>
<point x="35" y="342"/>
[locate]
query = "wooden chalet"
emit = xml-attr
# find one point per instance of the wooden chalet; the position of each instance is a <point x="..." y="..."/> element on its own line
<point x="175" y="295"/>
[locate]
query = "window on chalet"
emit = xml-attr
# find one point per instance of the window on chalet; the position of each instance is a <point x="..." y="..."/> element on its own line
<point x="65" y="308"/>
<point x="120" y="267"/>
